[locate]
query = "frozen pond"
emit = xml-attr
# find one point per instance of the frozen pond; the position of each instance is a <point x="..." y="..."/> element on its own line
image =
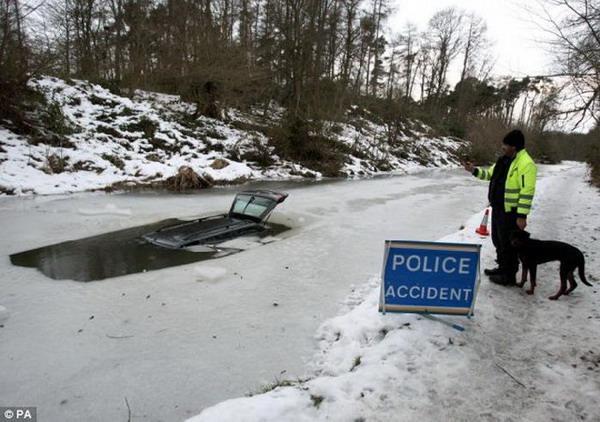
<point x="122" y="252"/>
<point x="175" y="340"/>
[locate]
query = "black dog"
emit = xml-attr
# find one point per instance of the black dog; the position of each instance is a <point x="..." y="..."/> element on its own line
<point x="533" y="252"/>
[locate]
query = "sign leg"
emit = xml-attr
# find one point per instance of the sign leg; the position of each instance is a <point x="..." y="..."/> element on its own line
<point x="449" y="324"/>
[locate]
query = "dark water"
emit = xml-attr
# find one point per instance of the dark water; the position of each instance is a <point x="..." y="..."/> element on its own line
<point x="117" y="253"/>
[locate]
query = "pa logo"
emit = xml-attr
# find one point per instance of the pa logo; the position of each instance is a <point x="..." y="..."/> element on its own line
<point x="18" y="414"/>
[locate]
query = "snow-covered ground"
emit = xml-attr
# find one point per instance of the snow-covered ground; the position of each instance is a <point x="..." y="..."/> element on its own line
<point x="520" y="358"/>
<point x="147" y="138"/>
<point x="164" y="345"/>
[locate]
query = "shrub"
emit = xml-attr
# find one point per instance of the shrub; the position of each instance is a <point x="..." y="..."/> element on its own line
<point x="153" y="157"/>
<point x="127" y="112"/>
<point x="6" y="191"/>
<point x="543" y="148"/>
<point x="214" y="147"/>
<point x="301" y="140"/>
<point x="219" y="164"/>
<point x="163" y="145"/>
<point x="260" y="154"/>
<point x="212" y="133"/>
<point x="54" y="119"/>
<point x="144" y="124"/>
<point x="113" y="85"/>
<point x="109" y="131"/>
<point x="114" y="160"/>
<point x="94" y="99"/>
<point x="106" y="117"/>
<point x="55" y="164"/>
<point x="593" y="157"/>
<point x="87" y="166"/>
<point x="316" y="399"/>
<point x="189" y="122"/>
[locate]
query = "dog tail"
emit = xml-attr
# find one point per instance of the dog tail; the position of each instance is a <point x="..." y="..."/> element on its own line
<point x="582" y="272"/>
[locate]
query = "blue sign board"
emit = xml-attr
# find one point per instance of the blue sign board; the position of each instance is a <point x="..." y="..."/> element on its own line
<point x="430" y="277"/>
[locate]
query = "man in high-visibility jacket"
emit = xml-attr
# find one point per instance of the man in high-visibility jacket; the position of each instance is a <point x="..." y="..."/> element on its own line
<point x="512" y="186"/>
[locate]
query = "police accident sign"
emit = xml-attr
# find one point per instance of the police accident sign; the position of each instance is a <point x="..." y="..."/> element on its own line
<point x="430" y="277"/>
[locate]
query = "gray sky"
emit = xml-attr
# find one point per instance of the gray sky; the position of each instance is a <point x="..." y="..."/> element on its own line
<point x="516" y="38"/>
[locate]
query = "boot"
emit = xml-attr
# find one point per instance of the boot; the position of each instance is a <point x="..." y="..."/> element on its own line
<point x="492" y="271"/>
<point x="504" y="279"/>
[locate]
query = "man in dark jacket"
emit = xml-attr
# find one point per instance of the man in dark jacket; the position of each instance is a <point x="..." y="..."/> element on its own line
<point x="496" y="199"/>
<point x="512" y="186"/>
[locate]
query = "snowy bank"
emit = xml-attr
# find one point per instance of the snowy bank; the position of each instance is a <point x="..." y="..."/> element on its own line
<point x="113" y="139"/>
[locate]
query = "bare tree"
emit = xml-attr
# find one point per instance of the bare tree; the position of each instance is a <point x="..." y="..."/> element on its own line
<point x="445" y="32"/>
<point x="393" y="69"/>
<point x="380" y="13"/>
<point x="575" y="28"/>
<point x="474" y="42"/>
<point x="16" y="64"/>
<point x="426" y="67"/>
<point x="351" y="35"/>
<point x="117" y="10"/>
<point x="407" y="42"/>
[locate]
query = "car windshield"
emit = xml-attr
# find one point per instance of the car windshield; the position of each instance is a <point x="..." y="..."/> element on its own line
<point x="253" y="206"/>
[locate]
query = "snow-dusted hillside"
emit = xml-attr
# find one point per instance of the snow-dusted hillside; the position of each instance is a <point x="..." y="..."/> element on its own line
<point x="148" y="137"/>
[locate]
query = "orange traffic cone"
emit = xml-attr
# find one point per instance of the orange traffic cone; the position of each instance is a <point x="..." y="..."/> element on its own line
<point x="482" y="229"/>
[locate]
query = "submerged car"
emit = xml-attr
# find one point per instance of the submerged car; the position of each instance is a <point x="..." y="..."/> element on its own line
<point x="248" y="214"/>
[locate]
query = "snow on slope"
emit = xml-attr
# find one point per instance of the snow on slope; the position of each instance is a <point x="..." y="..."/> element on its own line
<point x="520" y="358"/>
<point x="147" y="138"/>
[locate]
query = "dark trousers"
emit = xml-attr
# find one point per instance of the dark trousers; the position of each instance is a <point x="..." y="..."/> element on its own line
<point x="503" y="224"/>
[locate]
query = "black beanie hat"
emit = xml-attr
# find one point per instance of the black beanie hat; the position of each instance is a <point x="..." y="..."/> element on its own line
<point x="515" y="138"/>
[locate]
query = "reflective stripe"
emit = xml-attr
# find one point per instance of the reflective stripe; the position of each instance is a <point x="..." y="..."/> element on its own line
<point x="520" y="183"/>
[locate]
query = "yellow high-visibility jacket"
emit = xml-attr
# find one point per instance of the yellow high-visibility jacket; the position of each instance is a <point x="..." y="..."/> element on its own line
<point x="520" y="182"/>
